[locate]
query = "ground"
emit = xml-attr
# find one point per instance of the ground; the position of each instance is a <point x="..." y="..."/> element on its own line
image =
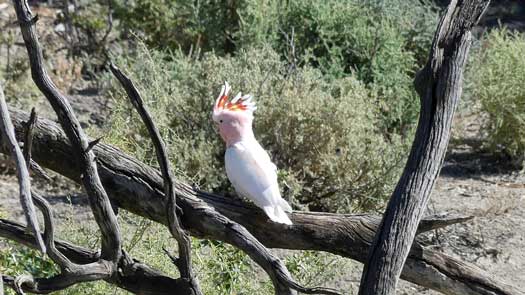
<point x="471" y="182"/>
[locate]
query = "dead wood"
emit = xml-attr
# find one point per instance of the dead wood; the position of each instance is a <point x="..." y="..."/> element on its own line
<point x="138" y="188"/>
<point x="98" y="199"/>
<point x="24" y="184"/>
<point x="183" y="263"/>
<point x="439" y="85"/>
<point x="133" y="276"/>
<point x="106" y="173"/>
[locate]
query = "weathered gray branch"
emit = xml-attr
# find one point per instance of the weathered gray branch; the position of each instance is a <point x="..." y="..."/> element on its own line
<point x="9" y="140"/>
<point x="138" y="188"/>
<point x="134" y="276"/>
<point x="183" y="263"/>
<point x="439" y="85"/>
<point x="106" y="266"/>
<point x="99" y="201"/>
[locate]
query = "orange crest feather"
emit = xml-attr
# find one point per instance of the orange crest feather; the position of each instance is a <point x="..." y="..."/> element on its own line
<point x="238" y="103"/>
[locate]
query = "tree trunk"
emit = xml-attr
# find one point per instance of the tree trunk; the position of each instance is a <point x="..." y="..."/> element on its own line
<point x="439" y="85"/>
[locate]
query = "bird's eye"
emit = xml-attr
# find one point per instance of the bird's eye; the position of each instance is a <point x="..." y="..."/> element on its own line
<point x="220" y="121"/>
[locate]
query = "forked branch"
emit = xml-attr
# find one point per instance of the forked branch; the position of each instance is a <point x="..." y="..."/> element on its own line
<point x="134" y="276"/>
<point x="98" y="199"/>
<point x="183" y="263"/>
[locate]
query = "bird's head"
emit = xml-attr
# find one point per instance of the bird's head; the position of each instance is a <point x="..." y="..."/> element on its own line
<point x="233" y="117"/>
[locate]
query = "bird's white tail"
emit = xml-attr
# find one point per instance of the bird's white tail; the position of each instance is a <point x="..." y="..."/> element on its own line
<point x="286" y="207"/>
<point x="277" y="214"/>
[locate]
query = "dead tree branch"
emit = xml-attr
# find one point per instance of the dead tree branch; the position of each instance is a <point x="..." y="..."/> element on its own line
<point x="7" y="131"/>
<point x="134" y="276"/>
<point x="106" y="266"/>
<point x="235" y="233"/>
<point x="439" y="85"/>
<point x="138" y="188"/>
<point x="99" y="201"/>
<point x="28" y="138"/>
<point x="83" y="155"/>
<point x="28" y="143"/>
<point x="183" y="263"/>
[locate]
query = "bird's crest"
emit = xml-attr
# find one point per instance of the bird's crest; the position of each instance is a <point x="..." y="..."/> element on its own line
<point x="240" y="102"/>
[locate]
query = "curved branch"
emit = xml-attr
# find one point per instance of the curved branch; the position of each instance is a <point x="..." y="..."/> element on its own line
<point x="134" y="276"/>
<point x="183" y="240"/>
<point x="49" y="232"/>
<point x="136" y="187"/>
<point x="439" y="85"/>
<point x="99" y="201"/>
<point x="8" y="133"/>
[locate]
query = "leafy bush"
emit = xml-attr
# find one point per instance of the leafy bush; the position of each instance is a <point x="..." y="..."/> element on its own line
<point x="185" y="24"/>
<point x="322" y="135"/>
<point x="384" y="42"/>
<point x="496" y="79"/>
<point x="339" y="38"/>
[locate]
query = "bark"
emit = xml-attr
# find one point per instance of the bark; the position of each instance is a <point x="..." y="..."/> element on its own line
<point x="111" y="252"/>
<point x="439" y="85"/>
<point x="133" y="276"/>
<point x="138" y="188"/>
<point x="183" y="262"/>
<point x="98" y="199"/>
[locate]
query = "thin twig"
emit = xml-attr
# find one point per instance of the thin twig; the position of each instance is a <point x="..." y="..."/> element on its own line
<point x="28" y="144"/>
<point x="38" y="170"/>
<point x="8" y="133"/>
<point x="49" y="232"/>
<point x="183" y="240"/>
<point x="93" y="143"/>
<point x="41" y="203"/>
<point x="28" y="136"/>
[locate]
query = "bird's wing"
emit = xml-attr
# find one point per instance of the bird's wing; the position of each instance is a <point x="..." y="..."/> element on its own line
<point x="252" y="173"/>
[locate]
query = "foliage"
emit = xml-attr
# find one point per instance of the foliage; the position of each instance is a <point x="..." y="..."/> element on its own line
<point x="16" y="260"/>
<point x="340" y="37"/>
<point x="185" y="23"/>
<point x="495" y="78"/>
<point x="384" y="42"/>
<point x="324" y="136"/>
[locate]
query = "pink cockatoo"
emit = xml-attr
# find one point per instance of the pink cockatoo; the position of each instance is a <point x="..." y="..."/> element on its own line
<point x="248" y="165"/>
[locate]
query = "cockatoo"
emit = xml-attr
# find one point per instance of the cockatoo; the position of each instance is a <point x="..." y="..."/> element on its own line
<point x="248" y="165"/>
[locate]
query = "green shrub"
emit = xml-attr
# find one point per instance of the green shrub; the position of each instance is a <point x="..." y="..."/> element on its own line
<point x="16" y="260"/>
<point x="185" y="24"/>
<point x="323" y="136"/>
<point x="374" y="39"/>
<point x="495" y="78"/>
<point x="384" y="42"/>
